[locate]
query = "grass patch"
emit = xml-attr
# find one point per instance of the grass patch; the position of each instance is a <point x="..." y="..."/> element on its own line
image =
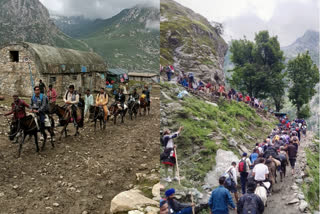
<point x="311" y="191"/>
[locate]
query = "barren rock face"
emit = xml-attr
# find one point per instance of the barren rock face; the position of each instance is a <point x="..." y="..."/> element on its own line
<point x="191" y="43"/>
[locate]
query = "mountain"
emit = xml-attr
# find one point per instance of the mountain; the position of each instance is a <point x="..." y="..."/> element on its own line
<point x="129" y="39"/>
<point x="29" y="21"/>
<point x="190" y="42"/>
<point x="308" y="42"/>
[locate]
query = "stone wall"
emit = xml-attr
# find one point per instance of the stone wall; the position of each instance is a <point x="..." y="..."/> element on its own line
<point x="15" y="76"/>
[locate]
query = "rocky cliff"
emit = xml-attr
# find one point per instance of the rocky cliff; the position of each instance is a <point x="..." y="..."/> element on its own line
<point x="190" y="42"/>
<point x="22" y="20"/>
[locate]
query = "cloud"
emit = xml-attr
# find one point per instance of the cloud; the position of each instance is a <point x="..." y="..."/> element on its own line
<point x="94" y="8"/>
<point x="288" y="19"/>
<point x="153" y="24"/>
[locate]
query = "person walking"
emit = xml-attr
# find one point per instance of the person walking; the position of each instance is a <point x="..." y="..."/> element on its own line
<point x="244" y="168"/>
<point x="52" y="97"/>
<point x="220" y="199"/>
<point x="292" y="154"/>
<point x="250" y="202"/>
<point x="88" y="102"/>
<point x="232" y="172"/>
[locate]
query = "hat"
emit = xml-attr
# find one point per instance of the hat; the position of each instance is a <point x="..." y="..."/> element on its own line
<point x="169" y="192"/>
<point x="244" y="154"/>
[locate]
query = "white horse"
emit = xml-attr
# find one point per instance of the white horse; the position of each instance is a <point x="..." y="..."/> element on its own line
<point x="262" y="192"/>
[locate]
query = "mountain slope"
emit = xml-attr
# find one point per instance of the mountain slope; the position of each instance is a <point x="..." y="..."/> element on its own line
<point x="308" y="42"/>
<point x="190" y="42"/>
<point x="29" y="21"/>
<point x="128" y="40"/>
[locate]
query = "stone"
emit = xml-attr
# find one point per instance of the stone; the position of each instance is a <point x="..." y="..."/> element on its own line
<point x="232" y="142"/>
<point x="244" y="149"/>
<point x="299" y="181"/>
<point x="223" y="162"/>
<point x="56" y="204"/>
<point x="308" y="180"/>
<point x="293" y="201"/>
<point x="84" y="212"/>
<point x="294" y="187"/>
<point x="1" y="194"/>
<point x="135" y="212"/>
<point x="213" y="104"/>
<point x="130" y="200"/>
<point x="100" y="196"/>
<point x="156" y="191"/>
<point x="303" y="205"/>
<point x="166" y="96"/>
<point x="233" y="130"/>
<point x="152" y="210"/>
<point x="301" y="196"/>
<point x="15" y="187"/>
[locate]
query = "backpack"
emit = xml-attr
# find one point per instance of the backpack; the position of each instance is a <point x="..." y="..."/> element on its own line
<point x="250" y="205"/>
<point x="229" y="179"/>
<point x="242" y="165"/>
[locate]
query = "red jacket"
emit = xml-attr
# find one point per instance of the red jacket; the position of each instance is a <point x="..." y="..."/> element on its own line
<point x="18" y="109"/>
<point x="52" y="95"/>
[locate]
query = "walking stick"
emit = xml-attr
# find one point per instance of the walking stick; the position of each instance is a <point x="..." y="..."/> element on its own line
<point x="175" y="152"/>
<point x="192" y="203"/>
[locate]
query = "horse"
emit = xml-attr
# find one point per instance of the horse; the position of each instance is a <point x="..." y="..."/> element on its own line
<point x="133" y="107"/>
<point x="98" y="114"/>
<point x="28" y="126"/>
<point x="144" y="105"/>
<point x="272" y="171"/>
<point x="115" y="111"/>
<point x="262" y="192"/>
<point x="64" y="119"/>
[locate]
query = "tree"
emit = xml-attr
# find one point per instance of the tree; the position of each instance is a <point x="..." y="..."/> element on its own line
<point x="303" y="75"/>
<point x="259" y="67"/>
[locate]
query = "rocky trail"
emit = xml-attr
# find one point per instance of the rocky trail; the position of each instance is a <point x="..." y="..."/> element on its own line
<point x="81" y="174"/>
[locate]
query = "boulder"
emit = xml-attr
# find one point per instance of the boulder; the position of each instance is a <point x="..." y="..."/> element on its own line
<point x="156" y="191"/>
<point x="293" y="201"/>
<point x="135" y="212"/>
<point x="223" y="162"/>
<point x="130" y="200"/>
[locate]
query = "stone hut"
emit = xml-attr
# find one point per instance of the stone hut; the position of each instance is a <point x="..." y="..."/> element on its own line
<point x="21" y="63"/>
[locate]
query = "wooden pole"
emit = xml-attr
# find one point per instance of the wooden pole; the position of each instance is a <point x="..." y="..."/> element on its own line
<point x="193" y="212"/>
<point x="175" y="152"/>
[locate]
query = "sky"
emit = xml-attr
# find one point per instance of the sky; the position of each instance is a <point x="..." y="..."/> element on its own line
<point x="287" y="19"/>
<point x="93" y="8"/>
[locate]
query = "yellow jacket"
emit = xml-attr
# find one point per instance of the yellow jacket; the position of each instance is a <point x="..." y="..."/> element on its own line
<point x="102" y="99"/>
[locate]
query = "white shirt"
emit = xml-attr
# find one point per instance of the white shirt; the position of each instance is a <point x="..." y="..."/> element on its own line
<point x="260" y="150"/>
<point x="234" y="173"/>
<point x="260" y="171"/>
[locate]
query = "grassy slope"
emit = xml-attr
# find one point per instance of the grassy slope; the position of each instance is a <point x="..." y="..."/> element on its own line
<point x="196" y="149"/>
<point x="181" y="27"/>
<point x="311" y="191"/>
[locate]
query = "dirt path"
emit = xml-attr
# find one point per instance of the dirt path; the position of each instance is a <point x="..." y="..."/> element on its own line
<point x="82" y="174"/>
<point x="277" y="202"/>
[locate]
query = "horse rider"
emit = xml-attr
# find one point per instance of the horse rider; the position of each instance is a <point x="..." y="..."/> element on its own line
<point x="121" y="98"/>
<point x="18" y="108"/>
<point x="102" y="101"/>
<point x="71" y="99"/>
<point x="39" y="105"/>
<point x="135" y="95"/>
<point x="147" y="93"/>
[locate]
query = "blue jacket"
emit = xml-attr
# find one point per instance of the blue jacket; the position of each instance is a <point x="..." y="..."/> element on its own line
<point x="219" y="200"/>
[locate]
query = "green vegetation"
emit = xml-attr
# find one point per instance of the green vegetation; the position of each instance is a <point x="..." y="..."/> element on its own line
<point x="311" y="190"/>
<point x="304" y="76"/>
<point x="258" y="67"/>
<point x="203" y="122"/>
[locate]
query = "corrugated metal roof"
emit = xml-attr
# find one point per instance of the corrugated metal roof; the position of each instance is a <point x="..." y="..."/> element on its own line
<point x="117" y="71"/>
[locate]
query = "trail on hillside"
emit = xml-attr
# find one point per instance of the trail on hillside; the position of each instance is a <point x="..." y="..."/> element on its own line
<point x="282" y="191"/>
<point x="81" y="174"/>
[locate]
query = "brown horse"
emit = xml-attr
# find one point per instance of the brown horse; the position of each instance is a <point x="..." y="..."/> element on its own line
<point x="98" y="114"/>
<point x="272" y="171"/>
<point x="115" y="111"/>
<point x="145" y="105"/>
<point x="28" y="126"/>
<point x="64" y="119"/>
